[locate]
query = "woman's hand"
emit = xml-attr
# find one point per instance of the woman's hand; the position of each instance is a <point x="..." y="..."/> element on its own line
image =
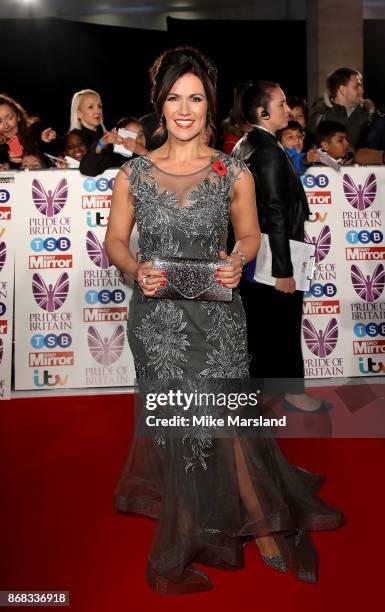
<point x="135" y="146"/>
<point x="4" y="167"/>
<point x="149" y="279"/>
<point x="48" y="135"/>
<point x="109" y="138"/>
<point x="229" y="276"/>
<point x="286" y="285"/>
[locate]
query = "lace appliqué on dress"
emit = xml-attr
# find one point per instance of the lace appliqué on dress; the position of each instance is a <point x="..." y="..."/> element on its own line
<point x="164" y="342"/>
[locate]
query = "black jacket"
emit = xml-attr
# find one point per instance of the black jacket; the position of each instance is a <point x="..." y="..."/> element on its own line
<point x="94" y="163"/>
<point x="281" y="200"/>
<point x="374" y="137"/>
<point x="91" y="136"/>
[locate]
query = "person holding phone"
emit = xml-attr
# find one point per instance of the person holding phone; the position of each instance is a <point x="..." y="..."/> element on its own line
<point x="101" y="154"/>
<point x="19" y="133"/>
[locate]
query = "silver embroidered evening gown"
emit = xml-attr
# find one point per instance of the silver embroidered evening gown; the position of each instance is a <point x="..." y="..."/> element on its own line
<point x="208" y="495"/>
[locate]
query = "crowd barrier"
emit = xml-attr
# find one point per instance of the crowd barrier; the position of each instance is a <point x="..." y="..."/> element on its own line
<point x="71" y="306"/>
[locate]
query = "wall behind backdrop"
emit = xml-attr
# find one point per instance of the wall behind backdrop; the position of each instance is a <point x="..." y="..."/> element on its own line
<point x="44" y="61"/>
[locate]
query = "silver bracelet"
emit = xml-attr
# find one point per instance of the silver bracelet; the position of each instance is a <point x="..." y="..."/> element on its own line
<point x="241" y="255"/>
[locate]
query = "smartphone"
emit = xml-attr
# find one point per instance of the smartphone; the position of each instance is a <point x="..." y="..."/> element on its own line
<point x="15" y="147"/>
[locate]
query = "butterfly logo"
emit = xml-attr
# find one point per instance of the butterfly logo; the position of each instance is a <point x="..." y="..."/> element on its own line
<point x="97" y="251"/>
<point x="3" y="255"/>
<point x="106" y="350"/>
<point x="50" y="298"/>
<point x="1" y="350"/>
<point x="369" y="288"/>
<point x="322" y="243"/>
<point x="321" y="343"/>
<point x="49" y="204"/>
<point x="360" y="197"/>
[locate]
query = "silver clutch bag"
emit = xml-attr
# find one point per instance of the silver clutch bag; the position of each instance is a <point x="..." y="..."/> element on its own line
<point x="192" y="279"/>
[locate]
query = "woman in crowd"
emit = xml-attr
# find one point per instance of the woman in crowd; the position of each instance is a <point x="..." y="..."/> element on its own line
<point x="101" y="155"/>
<point x="235" y="125"/>
<point x="20" y="134"/>
<point x="87" y="115"/>
<point x="209" y="494"/>
<point x="298" y="110"/>
<point x="274" y="313"/>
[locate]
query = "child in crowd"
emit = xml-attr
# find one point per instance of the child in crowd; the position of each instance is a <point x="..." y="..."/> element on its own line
<point x="32" y="161"/>
<point x="331" y="138"/>
<point x="75" y="144"/>
<point x="291" y="138"/>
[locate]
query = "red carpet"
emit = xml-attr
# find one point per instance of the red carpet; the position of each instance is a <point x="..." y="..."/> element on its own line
<point x="60" y="459"/>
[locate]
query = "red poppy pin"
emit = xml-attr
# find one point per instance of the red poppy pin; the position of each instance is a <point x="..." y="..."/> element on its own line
<point x="218" y="166"/>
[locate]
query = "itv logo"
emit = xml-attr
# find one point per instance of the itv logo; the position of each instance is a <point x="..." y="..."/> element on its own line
<point x="45" y="379"/>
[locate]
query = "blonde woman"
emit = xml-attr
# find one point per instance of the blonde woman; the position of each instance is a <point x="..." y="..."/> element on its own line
<point x="87" y="115"/>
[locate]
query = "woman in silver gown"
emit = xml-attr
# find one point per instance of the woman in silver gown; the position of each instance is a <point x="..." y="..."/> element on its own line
<point x="209" y="495"/>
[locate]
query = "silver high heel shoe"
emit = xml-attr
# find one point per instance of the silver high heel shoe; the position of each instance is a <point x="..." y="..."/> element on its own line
<point x="277" y="562"/>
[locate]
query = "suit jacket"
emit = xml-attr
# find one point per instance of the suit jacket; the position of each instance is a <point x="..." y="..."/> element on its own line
<point x="281" y="200"/>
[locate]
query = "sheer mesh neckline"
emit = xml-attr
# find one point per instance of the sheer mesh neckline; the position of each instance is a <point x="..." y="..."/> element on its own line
<point x="188" y="174"/>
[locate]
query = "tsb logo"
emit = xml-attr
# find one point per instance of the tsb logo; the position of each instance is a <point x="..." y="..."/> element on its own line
<point x="51" y="341"/>
<point x="309" y="180"/>
<point x="50" y="244"/>
<point x="100" y="184"/>
<point x="371" y="329"/>
<point x="105" y="296"/>
<point x="4" y="196"/>
<point x="364" y="237"/>
<point x="318" y="290"/>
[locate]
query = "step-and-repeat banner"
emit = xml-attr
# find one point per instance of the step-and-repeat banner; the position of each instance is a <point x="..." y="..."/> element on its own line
<point x="71" y="305"/>
<point x="7" y="243"/>
<point x="344" y="311"/>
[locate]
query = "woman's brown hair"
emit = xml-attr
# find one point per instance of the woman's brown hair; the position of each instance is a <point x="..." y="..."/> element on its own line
<point x="173" y="64"/>
<point x="23" y="120"/>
